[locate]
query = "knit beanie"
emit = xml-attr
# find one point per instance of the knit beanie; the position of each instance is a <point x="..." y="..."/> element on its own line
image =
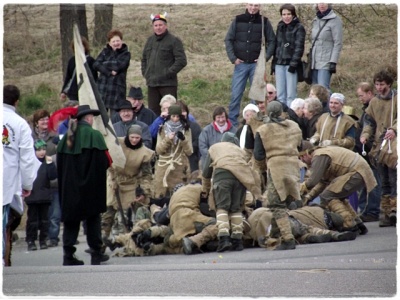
<point x="135" y="129"/>
<point x="40" y="144"/>
<point x="174" y="110"/>
<point x="250" y="107"/>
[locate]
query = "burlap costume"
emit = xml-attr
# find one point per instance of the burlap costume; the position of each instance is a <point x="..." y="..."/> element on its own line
<point x="137" y="171"/>
<point x="226" y="155"/>
<point x="172" y="166"/>
<point x="131" y="249"/>
<point x="305" y="222"/>
<point x="335" y="129"/>
<point x="185" y="216"/>
<point x="344" y="164"/>
<point x="280" y="143"/>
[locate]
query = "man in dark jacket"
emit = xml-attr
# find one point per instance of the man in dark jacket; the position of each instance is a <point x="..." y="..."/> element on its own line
<point x="82" y="162"/>
<point x="243" y="45"/>
<point x="163" y="57"/>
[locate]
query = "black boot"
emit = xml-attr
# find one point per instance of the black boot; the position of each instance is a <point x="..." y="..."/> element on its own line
<point x="287" y="245"/>
<point x="224" y="243"/>
<point x="344" y="236"/>
<point x="98" y="257"/>
<point x="323" y="238"/>
<point x="69" y="257"/>
<point x="393" y="218"/>
<point x="362" y="229"/>
<point x="237" y="245"/>
<point x="187" y="245"/>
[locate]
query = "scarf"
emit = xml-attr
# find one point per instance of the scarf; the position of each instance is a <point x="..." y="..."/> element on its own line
<point x="221" y="129"/>
<point x="170" y="126"/>
<point x="130" y="146"/>
<point x="320" y="15"/>
<point x="44" y="135"/>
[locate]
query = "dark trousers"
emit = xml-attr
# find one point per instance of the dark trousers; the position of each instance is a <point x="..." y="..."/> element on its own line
<point x="38" y="220"/>
<point x="93" y="233"/>
<point x="155" y="93"/>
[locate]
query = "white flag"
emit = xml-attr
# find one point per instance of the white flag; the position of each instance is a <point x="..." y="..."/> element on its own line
<point x="89" y="94"/>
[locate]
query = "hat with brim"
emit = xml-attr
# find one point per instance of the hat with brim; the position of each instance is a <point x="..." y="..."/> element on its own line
<point x="85" y="109"/>
<point x="125" y="105"/>
<point x="135" y="93"/>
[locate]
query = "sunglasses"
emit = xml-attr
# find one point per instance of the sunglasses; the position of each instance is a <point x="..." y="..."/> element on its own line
<point x="270" y="93"/>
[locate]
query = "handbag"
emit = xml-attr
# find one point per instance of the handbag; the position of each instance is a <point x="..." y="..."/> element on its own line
<point x="307" y="72"/>
<point x="258" y="86"/>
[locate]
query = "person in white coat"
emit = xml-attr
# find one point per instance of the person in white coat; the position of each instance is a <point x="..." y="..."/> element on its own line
<point x="19" y="160"/>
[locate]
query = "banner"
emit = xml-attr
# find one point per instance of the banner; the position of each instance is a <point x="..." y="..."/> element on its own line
<point x="89" y="94"/>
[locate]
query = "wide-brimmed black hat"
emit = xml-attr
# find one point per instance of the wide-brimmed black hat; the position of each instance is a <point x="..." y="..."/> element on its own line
<point x="136" y="93"/>
<point x="124" y="104"/>
<point x="86" y="110"/>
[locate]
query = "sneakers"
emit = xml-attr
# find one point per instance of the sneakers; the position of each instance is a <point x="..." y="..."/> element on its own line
<point x="32" y="246"/>
<point x="43" y="245"/>
<point x="52" y="243"/>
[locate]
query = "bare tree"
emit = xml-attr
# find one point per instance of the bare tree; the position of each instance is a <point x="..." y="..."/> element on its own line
<point x="70" y="14"/>
<point x="103" y="18"/>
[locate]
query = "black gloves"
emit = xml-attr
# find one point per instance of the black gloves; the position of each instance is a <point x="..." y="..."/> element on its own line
<point x="180" y="135"/>
<point x="332" y="67"/>
<point x="295" y="204"/>
<point x="292" y="69"/>
<point x="258" y="204"/>
<point x="142" y="238"/>
<point x="203" y="197"/>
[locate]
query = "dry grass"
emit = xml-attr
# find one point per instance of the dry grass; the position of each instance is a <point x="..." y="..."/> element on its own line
<point x="32" y="54"/>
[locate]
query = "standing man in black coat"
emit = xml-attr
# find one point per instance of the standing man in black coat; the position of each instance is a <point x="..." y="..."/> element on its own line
<point x="163" y="58"/>
<point x="82" y="162"/>
<point x="243" y="46"/>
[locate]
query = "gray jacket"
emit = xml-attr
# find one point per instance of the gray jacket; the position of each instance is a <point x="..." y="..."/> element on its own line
<point x="328" y="46"/>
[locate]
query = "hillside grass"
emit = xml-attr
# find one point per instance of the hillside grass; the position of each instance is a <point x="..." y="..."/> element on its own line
<point x="32" y="54"/>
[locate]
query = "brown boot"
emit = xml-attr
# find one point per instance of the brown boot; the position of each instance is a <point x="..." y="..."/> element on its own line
<point x="385" y="209"/>
<point x="288" y="241"/>
<point x="339" y="207"/>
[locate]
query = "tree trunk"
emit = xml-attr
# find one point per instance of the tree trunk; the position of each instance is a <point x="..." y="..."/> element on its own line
<point x="69" y="15"/>
<point x="103" y="18"/>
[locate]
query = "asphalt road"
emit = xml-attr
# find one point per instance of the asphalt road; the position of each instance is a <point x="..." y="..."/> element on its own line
<point x="365" y="267"/>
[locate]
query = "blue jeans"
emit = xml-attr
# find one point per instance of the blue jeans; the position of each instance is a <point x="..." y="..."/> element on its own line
<point x="286" y="84"/>
<point x="241" y="74"/>
<point x="322" y="77"/>
<point x="6" y="211"/>
<point x="54" y="218"/>
<point x="374" y="198"/>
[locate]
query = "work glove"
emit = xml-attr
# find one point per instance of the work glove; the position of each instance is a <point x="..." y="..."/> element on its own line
<point x="180" y="135"/>
<point x="142" y="238"/>
<point x="332" y="67"/>
<point x="326" y="143"/>
<point x="258" y="204"/>
<point x="292" y="69"/>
